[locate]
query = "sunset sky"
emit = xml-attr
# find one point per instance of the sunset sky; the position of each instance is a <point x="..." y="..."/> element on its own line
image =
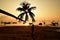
<point x="47" y="10"/>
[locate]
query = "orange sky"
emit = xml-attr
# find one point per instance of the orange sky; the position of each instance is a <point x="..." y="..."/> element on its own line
<point x="46" y="9"/>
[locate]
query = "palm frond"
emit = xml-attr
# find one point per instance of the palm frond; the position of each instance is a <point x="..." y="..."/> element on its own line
<point x="31" y="8"/>
<point x="20" y="9"/>
<point x="31" y="13"/>
<point x="23" y="3"/>
<point x="33" y="20"/>
<point x="21" y="15"/>
<point x="26" y="18"/>
<point x="28" y="4"/>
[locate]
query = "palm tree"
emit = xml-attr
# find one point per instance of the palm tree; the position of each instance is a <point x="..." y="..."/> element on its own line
<point x="26" y="9"/>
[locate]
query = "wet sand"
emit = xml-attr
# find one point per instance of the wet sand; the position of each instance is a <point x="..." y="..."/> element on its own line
<point x="25" y="33"/>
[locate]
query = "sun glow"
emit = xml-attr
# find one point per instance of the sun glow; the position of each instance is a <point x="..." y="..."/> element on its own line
<point x="26" y="24"/>
<point x="46" y="10"/>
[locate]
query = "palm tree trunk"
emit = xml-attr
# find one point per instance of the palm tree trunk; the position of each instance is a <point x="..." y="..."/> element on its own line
<point x="6" y="13"/>
<point x="33" y="31"/>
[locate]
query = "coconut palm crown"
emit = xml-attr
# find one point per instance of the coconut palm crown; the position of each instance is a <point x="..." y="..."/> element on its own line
<point x="26" y="9"/>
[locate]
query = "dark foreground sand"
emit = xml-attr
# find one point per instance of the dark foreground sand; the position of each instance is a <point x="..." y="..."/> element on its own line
<point x="25" y="33"/>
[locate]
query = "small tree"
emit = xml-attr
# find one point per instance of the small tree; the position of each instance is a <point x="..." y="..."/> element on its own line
<point x="54" y="23"/>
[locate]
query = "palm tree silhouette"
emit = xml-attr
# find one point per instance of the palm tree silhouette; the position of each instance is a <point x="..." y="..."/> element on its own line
<point x="26" y="9"/>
